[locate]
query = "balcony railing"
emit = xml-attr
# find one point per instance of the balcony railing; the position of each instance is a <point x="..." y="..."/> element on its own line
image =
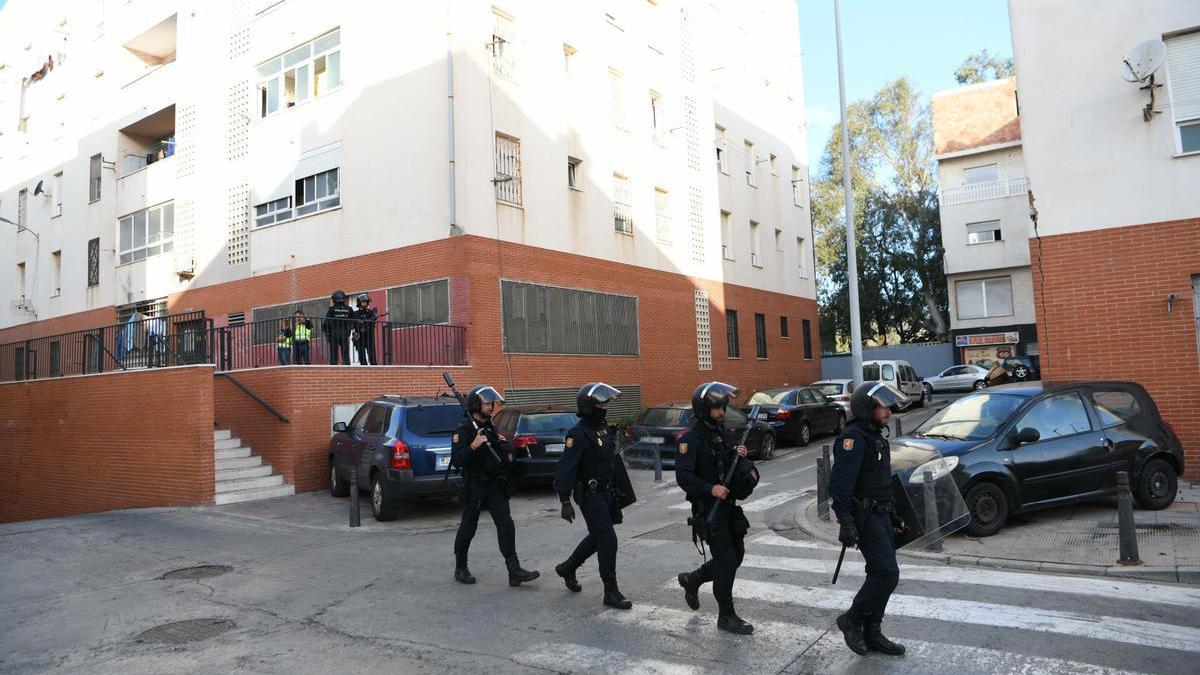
<point x="976" y="192"/>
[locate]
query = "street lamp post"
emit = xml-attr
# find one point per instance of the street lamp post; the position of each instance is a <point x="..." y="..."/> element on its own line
<point x="856" y="358"/>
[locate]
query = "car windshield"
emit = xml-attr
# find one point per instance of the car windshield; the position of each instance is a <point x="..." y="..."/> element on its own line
<point x="434" y="420"/>
<point x="664" y="417"/>
<point x="768" y="396"/>
<point x="828" y="388"/>
<point x="974" y="417"/>
<point x="547" y="424"/>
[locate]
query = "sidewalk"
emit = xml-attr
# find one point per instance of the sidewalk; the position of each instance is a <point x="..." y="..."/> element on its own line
<point x="1077" y="539"/>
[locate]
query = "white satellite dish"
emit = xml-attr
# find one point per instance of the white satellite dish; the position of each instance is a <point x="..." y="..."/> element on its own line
<point x="1144" y="60"/>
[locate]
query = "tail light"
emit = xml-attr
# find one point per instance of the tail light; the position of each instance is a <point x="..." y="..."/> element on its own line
<point x="843" y="398"/>
<point x="401" y="457"/>
<point x="783" y="415"/>
<point x="523" y="441"/>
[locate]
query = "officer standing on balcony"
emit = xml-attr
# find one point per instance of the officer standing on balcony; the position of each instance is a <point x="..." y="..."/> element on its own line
<point x="339" y="320"/>
<point x="302" y="330"/>
<point x="860" y="487"/>
<point x="364" y="327"/>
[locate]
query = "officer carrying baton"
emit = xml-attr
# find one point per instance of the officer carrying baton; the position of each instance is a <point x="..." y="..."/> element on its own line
<point x="474" y="424"/>
<point x="712" y="513"/>
<point x="838" y="570"/>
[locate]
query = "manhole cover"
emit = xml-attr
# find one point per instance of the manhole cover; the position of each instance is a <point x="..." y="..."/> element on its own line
<point x="192" y="630"/>
<point x="198" y="572"/>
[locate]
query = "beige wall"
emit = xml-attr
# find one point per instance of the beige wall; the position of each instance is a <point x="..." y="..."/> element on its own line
<point x="1023" y="300"/>
<point x="1011" y="211"/>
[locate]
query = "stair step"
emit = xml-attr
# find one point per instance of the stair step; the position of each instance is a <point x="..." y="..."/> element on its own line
<point x="227" y="443"/>
<point x="254" y="494"/>
<point x="222" y="434"/>
<point x="248" y="472"/>
<point x="248" y="483"/>
<point x="239" y="463"/>
<point x="233" y="453"/>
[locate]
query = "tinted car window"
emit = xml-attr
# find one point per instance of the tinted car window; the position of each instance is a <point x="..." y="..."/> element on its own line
<point x="377" y="419"/>
<point x="359" y="421"/>
<point x="663" y="417"/>
<point x="1115" y="407"/>
<point x="831" y="389"/>
<point x="434" y="420"/>
<point x="971" y="418"/>
<point x="1058" y="415"/>
<point x="807" y="396"/>
<point x="547" y="424"/>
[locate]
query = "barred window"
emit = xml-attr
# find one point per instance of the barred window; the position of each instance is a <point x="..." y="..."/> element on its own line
<point x="622" y="205"/>
<point x="760" y="335"/>
<point x="504" y="52"/>
<point x="93" y="262"/>
<point x="731" y="333"/>
<point x="426" y="302"/>
<point x="508" y="169"/>
<point x="541" y="319"/>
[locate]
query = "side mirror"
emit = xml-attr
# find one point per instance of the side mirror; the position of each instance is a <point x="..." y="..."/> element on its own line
<point x="1028" y="435"/>
<point x="339" y="426"/>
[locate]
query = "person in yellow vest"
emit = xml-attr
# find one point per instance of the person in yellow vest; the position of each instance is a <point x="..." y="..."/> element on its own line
<point x="283" y="346"/>
<point x="302" y="330"/>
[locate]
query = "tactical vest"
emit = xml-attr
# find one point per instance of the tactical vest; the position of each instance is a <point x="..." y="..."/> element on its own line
<point x="302" y="333"/>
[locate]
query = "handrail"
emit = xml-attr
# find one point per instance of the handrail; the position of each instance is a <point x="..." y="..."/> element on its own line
<point x="100" y="343"/>
<point x="258" y="399"/>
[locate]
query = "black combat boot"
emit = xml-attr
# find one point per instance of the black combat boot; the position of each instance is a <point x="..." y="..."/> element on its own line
<point x="728" y="620"/>
<point x="566" y="570"/>
<point x="851" y="625"/>
<point x="516" y="575"/>
<point x="873" y="637"/>
<point x="691" y="581"/>
<point x="461" y="574"/>
<point x="613" y="596"/>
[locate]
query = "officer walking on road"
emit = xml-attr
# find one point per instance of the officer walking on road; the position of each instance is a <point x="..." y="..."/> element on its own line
<point x="704" y="457"/>
<point x="485" y="484"/>
<point x="339" y="320"/>
<point x="861" y="490"/>
<point x="591" y="470"/>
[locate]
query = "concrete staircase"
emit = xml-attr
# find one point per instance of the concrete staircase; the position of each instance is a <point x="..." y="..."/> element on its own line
<point x="241" y="475"/>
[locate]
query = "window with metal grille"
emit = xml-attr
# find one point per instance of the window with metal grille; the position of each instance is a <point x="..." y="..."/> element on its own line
<point x="806" y="330"/>
<point x="93" y="262"/>
<point x="703" y="331"/>
<point x="731" y="333"/>
<point x="662" y="215"/>
<point x="94" y="181"/>
<point x="504" y="45"/>
<point x="508" y="169"/>
<point x="425" y="302"/>
<point x="783" y="327"/>
<point x="622" y="205"/>
<point x="147" y="233"/>
<point x="760" y="335"/>
<point x="540" y="319"/>
<point x="147" y="309"/>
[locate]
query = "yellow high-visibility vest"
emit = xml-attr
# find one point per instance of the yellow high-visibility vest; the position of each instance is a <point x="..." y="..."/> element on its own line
<point x="284" y="341"/>
<point x="302" y="333"/>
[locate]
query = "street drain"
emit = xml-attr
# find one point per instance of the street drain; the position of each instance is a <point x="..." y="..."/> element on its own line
<point x="180" y="632"/>
<point x="198" y="572"/>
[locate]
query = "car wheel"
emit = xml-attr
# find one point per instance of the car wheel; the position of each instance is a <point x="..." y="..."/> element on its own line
<point x="928" y="392"/>
<point x="989" y="509"/>
<point x="338" y="486"/>
<point x="384" y="505"/>
<point x="920" y="402"/>
<point x="979" y="384"/>
<point x="1156" y="485"/>
<point x="1021" y="373"/>
<point x="768" y="447"/>
<point x="805" y="434"/>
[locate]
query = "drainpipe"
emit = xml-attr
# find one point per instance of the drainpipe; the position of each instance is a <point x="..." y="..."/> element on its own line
<point x="454" y="229"/>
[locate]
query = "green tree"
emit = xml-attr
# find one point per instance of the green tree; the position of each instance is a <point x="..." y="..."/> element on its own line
<point x="981" y="67"/>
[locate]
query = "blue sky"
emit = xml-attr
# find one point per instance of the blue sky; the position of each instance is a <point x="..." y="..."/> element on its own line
<point x="885" y="39"/>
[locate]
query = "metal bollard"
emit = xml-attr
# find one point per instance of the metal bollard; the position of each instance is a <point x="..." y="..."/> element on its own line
<point x="823" y="483"/>
<point x="899" y="428"/>
<point x="1128" y="528"/>
<point x="931" y="513"/>
<point x="657" y="463"/>
<point x="354" y="515"/>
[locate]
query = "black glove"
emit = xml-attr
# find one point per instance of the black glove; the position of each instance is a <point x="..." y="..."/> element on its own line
<point x="848" y="534"/>
<point x="898" y="523"/>
<point x="568" y="512"/>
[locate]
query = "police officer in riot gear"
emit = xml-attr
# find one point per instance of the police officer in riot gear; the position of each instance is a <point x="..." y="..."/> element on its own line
<point x="339" y="320"/>
<point x="703" y="458"/>
<point x="860" y="487"/>
<point x="591" y="470"/>
<point x="485" y="484"/>
<point x="364" y="329"/>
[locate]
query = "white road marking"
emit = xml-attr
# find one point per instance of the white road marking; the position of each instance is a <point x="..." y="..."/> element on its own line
<point x="572" y="657"/>
<point x="679" y="621"/>
<point x="770" y="538"/>
<point x="793" y="472"/>
<point x="770" y="501"/>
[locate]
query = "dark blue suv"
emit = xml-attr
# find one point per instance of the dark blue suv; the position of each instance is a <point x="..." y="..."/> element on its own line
<point x="402" y="448"/>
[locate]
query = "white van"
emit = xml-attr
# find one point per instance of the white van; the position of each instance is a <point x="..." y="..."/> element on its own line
<point x="899" y="375"/>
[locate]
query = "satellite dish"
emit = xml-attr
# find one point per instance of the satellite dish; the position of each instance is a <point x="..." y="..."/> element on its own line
<point x="38" y="190"/>
<point x="1144" y="60"/>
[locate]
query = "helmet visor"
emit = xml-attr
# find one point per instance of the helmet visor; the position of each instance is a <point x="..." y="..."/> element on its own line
<point x="884" y="395"/>
<point x="602" y="393"/>
<point x="488" y="394"/>
<point x="716" y="394"/>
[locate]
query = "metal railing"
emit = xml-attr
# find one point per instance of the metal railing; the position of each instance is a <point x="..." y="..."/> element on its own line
<point x="993" y="189"/>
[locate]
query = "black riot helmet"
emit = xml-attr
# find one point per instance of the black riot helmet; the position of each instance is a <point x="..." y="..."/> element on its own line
<point x="871" y="394"/>
<point x="338" y="296"/>
<point x="363" y="299"/>
<point x="481" y="394"/>
<point x="711" y="395"/>
<point x="591" y="394"/>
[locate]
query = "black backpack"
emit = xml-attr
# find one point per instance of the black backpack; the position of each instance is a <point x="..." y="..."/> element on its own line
<point x="744" y="480"/>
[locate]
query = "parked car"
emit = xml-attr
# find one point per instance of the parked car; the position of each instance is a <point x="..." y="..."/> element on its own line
<point x="958" y="378"/>
<point x="401" y="446"/>
<point x="538" y="434"/>
<point x="660" y="428"/>
<point x="796" y="414"/>
<point x="838" y="390"/>
<point x="1022" y="368"/>
<point x="1024" y="446"/>
<point x="899" y="375"/>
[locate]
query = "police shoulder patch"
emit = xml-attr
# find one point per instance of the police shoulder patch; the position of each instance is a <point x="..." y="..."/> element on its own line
<point x="570" y="441"/>
<point x="848" y="443"/>
<point x="683" y="448"/>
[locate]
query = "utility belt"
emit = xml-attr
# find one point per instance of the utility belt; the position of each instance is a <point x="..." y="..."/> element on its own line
<point x="872" y="505"/>
<point x="594" y="485"/>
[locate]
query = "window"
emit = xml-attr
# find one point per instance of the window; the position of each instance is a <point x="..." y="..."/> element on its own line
<point x="275" y="211"/>
<point x="508" y="169"/>
<point x="662" y="215"/>
<point x="783" y="327"/>
<point x="56" y="273"/>
<point x="982" y="298"/>
<point x="569" y="59"/>
<point x="774" y="164"/>
<point x="359" y="421"/>
<point x="731" y="333"/>
<point x="616" y="99"/>
<point x="504" y="45"/>
<point x="21" y="280"/>
<point x="751" y="166"/>
<point x="1115" y="407"/>
<point x="1057" y="416"/>
<point x="540" y="319"/>
<point x="806" y="333"/>
<point x="308" y="71"/>
<point x="800" y="256"/>
<point x="377" y="419"/>
<point x="755" y="258"/>
<point x="659" y="133"/>
<point x="809" y="396"/>
<point x="317" y="192"/>
<point x="980" y="174"/>
<point x="797" y="189"/>
<point x="147" y="233"/>
<point x="778" y="240"/>
<point x="726" y="235"/>
<point x="426" y="302"/>
<point x="1183" y="62"/>
<point x="982" y="233"/>
<point x="94" y="179"/>
<point x="573" y="172"/>
<point x="93" y="262"/>
<point x="622" y="208"/>
<point x="889" y="372"/>
<point x="722" y="142"/>
<point x="760" y="335"/>
<point x="58" y="185"/>
<point x="22" y="208"/>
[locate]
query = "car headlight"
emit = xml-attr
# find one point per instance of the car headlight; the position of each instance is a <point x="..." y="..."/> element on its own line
<point x="940" y="467"/>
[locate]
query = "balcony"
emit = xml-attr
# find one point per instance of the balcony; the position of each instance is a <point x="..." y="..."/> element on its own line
<point x="978" y="192"/>
<point x="146" y="162"/>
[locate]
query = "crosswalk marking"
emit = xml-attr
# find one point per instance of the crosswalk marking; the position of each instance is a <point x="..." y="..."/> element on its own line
<point x="572" y="657"/>
<point x="679" y="621"/>
<point x="770" y="501"/>
<point x="770" y="538"/>
<point x="1110" y="628"/>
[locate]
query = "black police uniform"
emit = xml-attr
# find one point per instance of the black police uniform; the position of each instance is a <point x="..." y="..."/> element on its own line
<point x="364" y="323"/>
<point x="586" y="470"/>
<point x="339" y="320"/>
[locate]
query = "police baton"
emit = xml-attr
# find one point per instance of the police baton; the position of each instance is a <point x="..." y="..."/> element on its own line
<point x="712" y="513"/>
<point x="838" y="570"/>
<point x="462" y="400"/>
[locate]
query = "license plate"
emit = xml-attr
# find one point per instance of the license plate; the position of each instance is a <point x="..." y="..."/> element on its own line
<point x="443" y="462"/>
<point x="554" y="448"/>
<point x="763" y="417"/>
<point x="654" y="440"/>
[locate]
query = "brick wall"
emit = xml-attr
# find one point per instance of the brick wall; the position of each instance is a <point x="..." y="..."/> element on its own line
<point x="975" y="116"/>
<point x="1105" y="314"/>
<point x="93" y="318"/>
<point x="100" y="442"/>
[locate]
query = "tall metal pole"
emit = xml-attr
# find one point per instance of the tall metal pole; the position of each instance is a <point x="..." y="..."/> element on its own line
<point x="851" y="252"/>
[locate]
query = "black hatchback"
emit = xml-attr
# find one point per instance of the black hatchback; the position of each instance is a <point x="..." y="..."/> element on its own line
<point x="1019" y="447"/>
<point x="538" y="434"/>
<point x="658" y="429"/>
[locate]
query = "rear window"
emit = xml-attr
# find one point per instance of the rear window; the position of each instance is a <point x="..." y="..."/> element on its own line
<point x="547" y="424"/>
<point x="1115" y="407"/>
<point x="871" y="372"/>
<point x="664" y="417"/>
<point x="772" y="396"/>
<point x="434" y="420"/>
<point x="829" y="389"/>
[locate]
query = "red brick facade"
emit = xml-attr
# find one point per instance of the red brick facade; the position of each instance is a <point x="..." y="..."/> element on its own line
<point x="99" y="442"/>
<point x="1106" y="317"/>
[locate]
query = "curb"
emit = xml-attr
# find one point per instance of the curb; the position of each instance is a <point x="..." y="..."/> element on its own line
<point x="1185" y="574"/>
